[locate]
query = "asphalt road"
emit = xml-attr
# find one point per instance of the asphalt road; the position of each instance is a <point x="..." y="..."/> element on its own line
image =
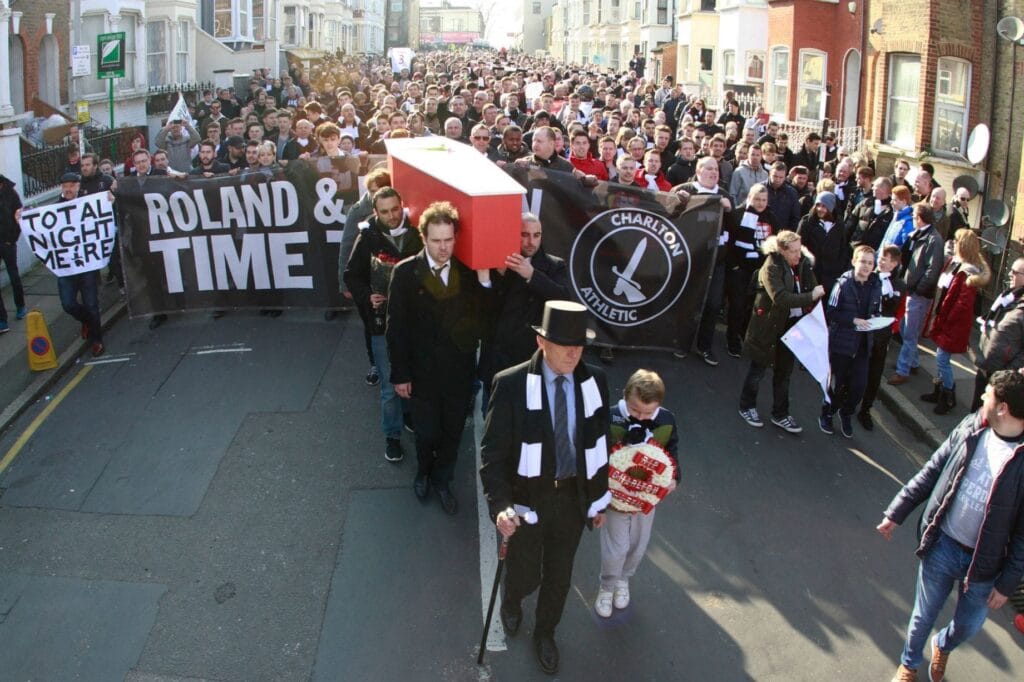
<point x="212" y="503"/>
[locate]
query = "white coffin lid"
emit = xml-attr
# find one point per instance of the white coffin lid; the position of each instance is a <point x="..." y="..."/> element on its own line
<point x="455" y="164"/>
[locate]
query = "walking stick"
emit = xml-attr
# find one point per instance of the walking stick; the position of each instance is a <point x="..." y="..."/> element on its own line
<point x="502" y="553"/>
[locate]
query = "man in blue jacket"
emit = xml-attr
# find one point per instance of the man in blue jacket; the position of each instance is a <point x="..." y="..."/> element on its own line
<point x="972" y="529"/>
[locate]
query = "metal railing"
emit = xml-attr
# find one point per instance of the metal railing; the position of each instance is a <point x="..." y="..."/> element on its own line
<point x="41" y="169"/>
<point x="162" y="98"/>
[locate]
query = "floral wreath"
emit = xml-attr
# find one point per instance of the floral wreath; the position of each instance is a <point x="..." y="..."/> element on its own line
<point x="639" y="476"/>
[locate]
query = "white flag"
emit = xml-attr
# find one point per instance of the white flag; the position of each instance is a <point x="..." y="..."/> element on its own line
<point x="180" y="111"/>
<point x="808" y="339"/>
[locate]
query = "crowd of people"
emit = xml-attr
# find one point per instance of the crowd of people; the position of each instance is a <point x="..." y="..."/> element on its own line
<point x="800" y="225"/>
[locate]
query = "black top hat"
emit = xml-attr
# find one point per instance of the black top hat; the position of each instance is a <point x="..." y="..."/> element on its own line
<point x="565" y="323"/>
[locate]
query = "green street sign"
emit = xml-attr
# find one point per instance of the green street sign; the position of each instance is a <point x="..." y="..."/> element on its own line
<point x="110" y="48"/>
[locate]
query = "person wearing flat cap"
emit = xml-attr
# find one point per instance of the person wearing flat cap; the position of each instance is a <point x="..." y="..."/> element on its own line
<point x="545" y="468"/>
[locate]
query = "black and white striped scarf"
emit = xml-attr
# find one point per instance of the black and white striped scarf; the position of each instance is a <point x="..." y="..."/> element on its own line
<point x="593" y="464"/>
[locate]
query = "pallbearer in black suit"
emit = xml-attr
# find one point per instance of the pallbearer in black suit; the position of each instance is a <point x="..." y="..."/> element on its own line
<point x="545" y="468"/>
<point x="435" y="317"/>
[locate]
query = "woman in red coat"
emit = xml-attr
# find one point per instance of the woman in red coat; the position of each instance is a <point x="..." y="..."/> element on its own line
<point x="952" y="313"/>
<point x="650" y="176"/>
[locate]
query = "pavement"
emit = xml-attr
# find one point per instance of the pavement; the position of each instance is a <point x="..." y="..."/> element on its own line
<point x="22" y="387"/>
<point x="212" y="503"/>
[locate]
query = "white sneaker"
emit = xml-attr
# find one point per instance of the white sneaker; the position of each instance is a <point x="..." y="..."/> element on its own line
<point x="603" y="605"/>
<point x="621" y="594"/>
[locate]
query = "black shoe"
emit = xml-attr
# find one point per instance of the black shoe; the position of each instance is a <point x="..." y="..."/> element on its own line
<point x="407" y="422"/>
<point x="709" y="358"/>
<point x="156" y="321"/>
<point x="330" y="314"/>
<point x="864" y="417"/>
<point x="275" y="313"/>
<point x="735" y="351"/>
<point x="511" y="618"/>
<point x="846" y="425"/>
<point x="393" y="450"/>
<point x="421" y="486"/>
<point x="372" y="377"/>
<point x="448" y="501"/>
<point x="547" y="654"/>
<point x="217" y="314"/>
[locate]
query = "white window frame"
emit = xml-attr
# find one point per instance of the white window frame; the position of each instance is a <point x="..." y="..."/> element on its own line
<point x="259" y="20"/>
<point x="776" y="82"/>
<point x="949" y="106"/>
<point x="728" y="75"/>
<point x="162" y="77"/>
<point x="750" y="56"/>
<point x="802" y="85"/>
<point x="182" y="50"/>
<point x="130" y="22"/>
<point x="889" y="98"/>
<point x="293" y="25"/>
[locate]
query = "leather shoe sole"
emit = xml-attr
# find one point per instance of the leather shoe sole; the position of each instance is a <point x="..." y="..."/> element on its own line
<point x="547" y="655"/>
<point x="420" y="487"/>
<point x="510" y="620"/>
<point x="448" y="501"/>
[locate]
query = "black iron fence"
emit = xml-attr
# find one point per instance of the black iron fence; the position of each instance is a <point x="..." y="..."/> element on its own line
<point x="162" y="98"/>
<point x="41" y="168"/>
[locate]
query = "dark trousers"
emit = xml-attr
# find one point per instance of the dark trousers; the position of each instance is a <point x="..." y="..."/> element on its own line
<point x="114" y="267"/>
<point x="876" y="367"/>
<point x="782" y="369"/>
<point x="741" y="301"/>
<point x="79" y="296"/>
<point x="9" y="256"/>
<point x="712" y="304"/>
<point x="541" y="555"/>
<point x="368" y="337"/>
<point x="981" y="378"/>
<point x="849" y="376"/>
<point x="439" y="420"/>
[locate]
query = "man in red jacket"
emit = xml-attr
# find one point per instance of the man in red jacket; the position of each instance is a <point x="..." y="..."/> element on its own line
<point x="581" y="158"/>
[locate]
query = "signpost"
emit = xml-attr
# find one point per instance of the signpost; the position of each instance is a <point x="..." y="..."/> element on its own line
<point x="110" y="48"/>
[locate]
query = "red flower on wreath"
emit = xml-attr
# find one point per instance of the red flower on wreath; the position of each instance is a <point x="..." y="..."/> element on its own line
<point x="385" y="257"/>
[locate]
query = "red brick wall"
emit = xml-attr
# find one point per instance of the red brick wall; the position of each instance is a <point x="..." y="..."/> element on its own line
<point x="32" y="31"/>
<point x="829" y="28"/>
<point x="931" y="29"/>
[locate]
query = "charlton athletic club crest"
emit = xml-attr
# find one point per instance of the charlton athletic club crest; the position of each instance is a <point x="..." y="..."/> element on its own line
<point x="629" y="266"/>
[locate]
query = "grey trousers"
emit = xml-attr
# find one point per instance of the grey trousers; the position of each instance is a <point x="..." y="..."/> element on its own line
<point x="624" y="539"/>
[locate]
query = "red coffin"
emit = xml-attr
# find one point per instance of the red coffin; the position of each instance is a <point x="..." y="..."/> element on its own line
<point x="490" y="203"/>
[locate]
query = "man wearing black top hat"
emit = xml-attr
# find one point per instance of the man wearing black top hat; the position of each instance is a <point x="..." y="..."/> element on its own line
<point x="545" y="468"/>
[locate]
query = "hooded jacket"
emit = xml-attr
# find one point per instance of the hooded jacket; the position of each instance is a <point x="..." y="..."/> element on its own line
<point x="778" y="296"/>
<point x="1002" y="333"/>
<point x="952" y="312"/>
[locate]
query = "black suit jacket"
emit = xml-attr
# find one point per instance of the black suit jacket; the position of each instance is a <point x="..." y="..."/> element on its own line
<point x="432" y="330"/>
<point x="509" y="424"/>
<point x="518" y="304"/>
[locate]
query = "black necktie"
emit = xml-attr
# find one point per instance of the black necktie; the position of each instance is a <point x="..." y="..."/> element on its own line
<point x="565" y="458"/>
<point x="437" y="271"/>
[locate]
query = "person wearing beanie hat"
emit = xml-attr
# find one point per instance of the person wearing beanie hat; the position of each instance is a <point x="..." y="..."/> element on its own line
<point x="826" y="239"/>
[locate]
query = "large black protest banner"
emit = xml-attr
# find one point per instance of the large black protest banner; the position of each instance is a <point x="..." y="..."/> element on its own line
<point x="639" y="260"/>
<point x="257" y="241"/>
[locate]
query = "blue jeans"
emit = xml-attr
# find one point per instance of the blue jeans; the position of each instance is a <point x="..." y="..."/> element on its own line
<point x="390" y="403"/>
<point x="944" y="566"/>
<point x="86" y="310"/>
<point x="944" y="367"/>
<point x="910" y="328"/>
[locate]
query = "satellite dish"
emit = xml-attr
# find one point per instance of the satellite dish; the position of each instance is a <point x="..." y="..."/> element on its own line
<point x="977" y="144"/>
<point x="994" y="239"/>
<point x="967" y="182"/>
<point x="877" y="27"/>
<point x="1010" y="28"/>
<point x="997" y="212"/>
